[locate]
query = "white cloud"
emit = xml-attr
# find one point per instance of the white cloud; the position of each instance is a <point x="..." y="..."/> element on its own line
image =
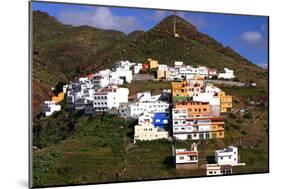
<point x="251" y="37"/>
<point x="100" y="17"/>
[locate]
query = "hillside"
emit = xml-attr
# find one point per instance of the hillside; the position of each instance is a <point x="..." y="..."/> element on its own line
<point x="192" y="47"/>
<point x="63" y="52"/>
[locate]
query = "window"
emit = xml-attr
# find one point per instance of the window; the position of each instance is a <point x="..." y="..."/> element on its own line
<point x="157" y="120"/>
<point x="229" y="157"/>
<point x="210" y="172"/>
<point x="188" y="136"/>
<point x="221" y="158"/>
<point x="181" y="158"/>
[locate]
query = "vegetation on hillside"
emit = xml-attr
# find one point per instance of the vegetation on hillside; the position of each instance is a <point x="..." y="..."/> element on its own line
<point x="101" y="149"/>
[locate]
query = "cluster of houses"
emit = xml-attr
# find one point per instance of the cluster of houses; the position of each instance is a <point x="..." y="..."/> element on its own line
<point x="224" y="160"/>
<point x="190" y="110"/>
<point x="182" y="71"/>
<point x="100" y="92"/>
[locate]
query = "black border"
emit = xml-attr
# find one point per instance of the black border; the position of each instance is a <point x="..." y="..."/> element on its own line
<point x="30" y="122"/>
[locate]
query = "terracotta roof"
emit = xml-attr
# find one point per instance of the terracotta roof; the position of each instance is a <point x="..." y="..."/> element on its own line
<point x="206" y="118"/>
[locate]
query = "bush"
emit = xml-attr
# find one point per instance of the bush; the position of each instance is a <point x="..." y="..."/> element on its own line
<point x="235" y="126"/>
<point x="232" y="115"/>
<point x="240" y="121"/>
<point x="247" y="116"/>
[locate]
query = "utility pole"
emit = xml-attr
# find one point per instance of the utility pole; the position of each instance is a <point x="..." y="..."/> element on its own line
<point x="174" y="22"/>
<point x="175" y="32"/>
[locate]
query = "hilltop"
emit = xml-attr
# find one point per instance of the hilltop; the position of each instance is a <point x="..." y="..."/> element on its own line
<point x="63" y="52"/>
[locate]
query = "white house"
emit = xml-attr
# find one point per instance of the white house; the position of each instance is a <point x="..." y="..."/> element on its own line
<point x="124" y="65"/>
<point x="101" y="79"/>
<point x="145" y="102"/>
<point x="110" y="97"/>
<point x="228" y="74"/>
<point x="216" y="169"/>
<point x="118" y="77"/>
<point x="227" y="156"/>
<point x="162" y="67"/>
<point x="203" y="71"/>
<point x="137" y="68"/>
<point x="49" y="107"/>
<point x="184" y="156"/>
<point x="64" y="89"/>
<point x="178" y="64"/>
<point x="146" y="118"/>
<point x="149" y="132"/>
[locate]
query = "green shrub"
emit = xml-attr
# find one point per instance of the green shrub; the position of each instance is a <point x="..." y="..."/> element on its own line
<point x="247" y="116"/>
<point x="235" y="126"/>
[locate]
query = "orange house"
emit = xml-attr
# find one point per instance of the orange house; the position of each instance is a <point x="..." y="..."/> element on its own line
<point x="58" y="98"/>
<point x="180" y="88"/>
<point x="217" y="127"/>
<point x="195" y="109"/>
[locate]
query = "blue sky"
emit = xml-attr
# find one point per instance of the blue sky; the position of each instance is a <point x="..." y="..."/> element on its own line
<point x="247" y="35"/>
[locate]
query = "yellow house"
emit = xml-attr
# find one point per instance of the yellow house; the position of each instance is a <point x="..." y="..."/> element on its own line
<point x="58" y="98"/>
<point x="149" y="132"/>
<point x="163" y="74"/>
<point x="225" y="102"/>
<point x="180" y="88"/>
<point x="216" y="128"/>
<point x="152" y="63"/>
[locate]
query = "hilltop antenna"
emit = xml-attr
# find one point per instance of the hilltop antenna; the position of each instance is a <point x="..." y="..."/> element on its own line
<point x="175" y="33"/>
